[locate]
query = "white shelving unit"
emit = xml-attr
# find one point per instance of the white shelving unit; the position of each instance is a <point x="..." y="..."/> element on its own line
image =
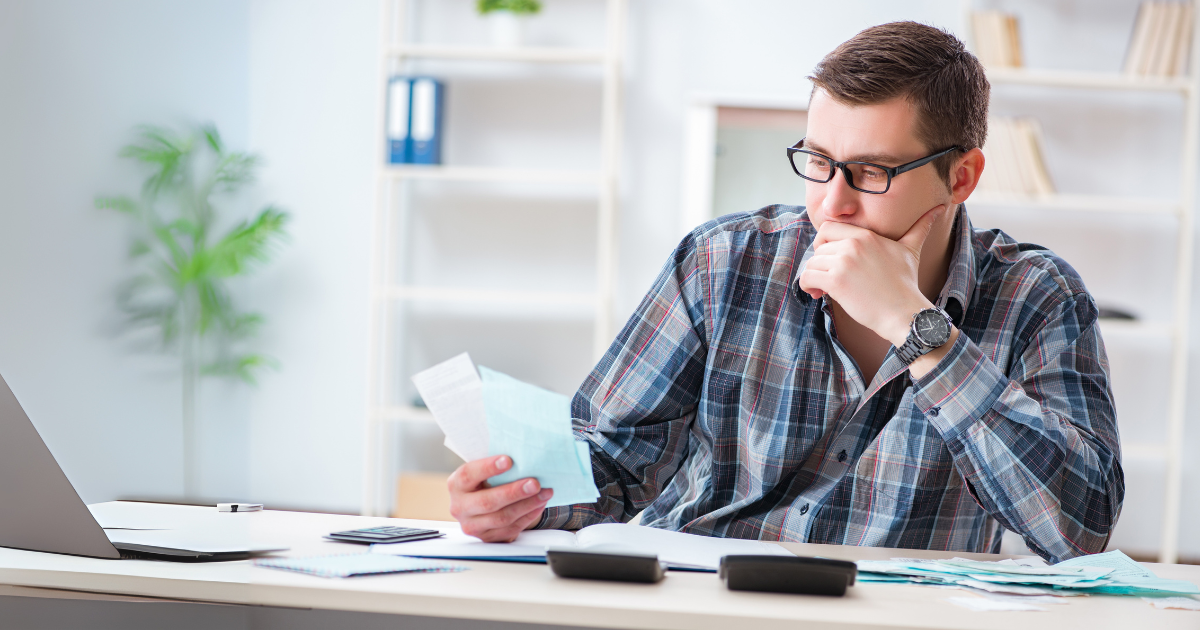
<point x="1182" y="208"/>
<point x="392" y="298"/>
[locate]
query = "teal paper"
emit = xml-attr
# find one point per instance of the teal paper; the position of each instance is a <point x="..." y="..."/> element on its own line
<point x="533" y="427"/>
<point x="1108" y="573"/>
<point x="1122" y="565"/>
<point x="1129" y="577"/>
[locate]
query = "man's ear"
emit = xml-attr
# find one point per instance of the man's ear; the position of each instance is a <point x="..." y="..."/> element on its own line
<point x="964" y="175"/>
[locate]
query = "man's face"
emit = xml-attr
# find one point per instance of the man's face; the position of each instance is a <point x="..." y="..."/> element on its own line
<point x="883" y="134"/>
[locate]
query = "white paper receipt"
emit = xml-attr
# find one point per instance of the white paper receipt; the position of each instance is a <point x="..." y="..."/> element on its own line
<point x="453" y="392"/>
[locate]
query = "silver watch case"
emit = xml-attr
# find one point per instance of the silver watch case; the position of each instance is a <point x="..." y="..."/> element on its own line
<point x="931" y="327"/>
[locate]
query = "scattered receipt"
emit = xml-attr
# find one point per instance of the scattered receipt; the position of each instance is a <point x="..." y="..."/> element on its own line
<point x="500" y="415"/>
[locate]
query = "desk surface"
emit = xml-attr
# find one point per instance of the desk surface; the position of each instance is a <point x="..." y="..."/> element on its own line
<point x="532" y="594"/>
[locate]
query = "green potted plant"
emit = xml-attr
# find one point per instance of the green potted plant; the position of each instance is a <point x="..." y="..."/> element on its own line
<point x="184" y="255"/>
<point x="507" y="19"/>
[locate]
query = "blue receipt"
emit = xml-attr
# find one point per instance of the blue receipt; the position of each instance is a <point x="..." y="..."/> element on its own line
<point x="533" y="427"/>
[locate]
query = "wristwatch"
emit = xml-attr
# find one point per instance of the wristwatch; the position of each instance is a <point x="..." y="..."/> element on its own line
<point x="930" y="330"/>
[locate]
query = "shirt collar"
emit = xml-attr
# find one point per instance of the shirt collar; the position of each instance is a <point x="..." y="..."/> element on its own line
<point x="960" y="279"/>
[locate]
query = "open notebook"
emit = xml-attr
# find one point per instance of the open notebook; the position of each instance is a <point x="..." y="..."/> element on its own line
<point x="680" y="551"/>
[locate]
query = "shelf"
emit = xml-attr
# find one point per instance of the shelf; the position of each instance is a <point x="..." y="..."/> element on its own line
<point x="492" y="302"/>
<point x="397" y="413"/>
<point x="492" y="174"/>
<point x="1088" y="80"/>
<point x="483" y="53"/>
<point x="1087" y="203"/>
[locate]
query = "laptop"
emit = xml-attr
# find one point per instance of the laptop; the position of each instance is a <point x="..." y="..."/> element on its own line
<point x="41" y="511"/>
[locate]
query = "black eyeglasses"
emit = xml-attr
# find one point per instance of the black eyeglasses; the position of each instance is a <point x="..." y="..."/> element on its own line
<point x="865" y="177"/>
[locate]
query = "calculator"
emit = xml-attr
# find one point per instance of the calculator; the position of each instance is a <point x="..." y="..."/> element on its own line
<point x="386" y="534"/>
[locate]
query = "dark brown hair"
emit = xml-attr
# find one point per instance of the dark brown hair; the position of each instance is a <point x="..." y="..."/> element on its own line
<point x="929" y="67"/>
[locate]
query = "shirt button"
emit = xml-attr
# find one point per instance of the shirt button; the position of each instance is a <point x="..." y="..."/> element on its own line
<point x="842" y="456"/>
<point x="934" y="411"/>
<point x="804" y="509"/>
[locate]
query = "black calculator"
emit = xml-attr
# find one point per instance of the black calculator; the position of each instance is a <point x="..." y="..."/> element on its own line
<point x="384" y="535"/>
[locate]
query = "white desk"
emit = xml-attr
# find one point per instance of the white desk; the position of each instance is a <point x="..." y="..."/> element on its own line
<point x="527" y="594"/>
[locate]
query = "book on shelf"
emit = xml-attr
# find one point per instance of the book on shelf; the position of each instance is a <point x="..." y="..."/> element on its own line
<point x="414" y="120"/>
<point x="1014" y="160"/>
<point x="1161" y="43"/>
<point x="997" y="39"/>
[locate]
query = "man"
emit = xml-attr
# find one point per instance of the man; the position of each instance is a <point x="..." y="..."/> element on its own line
<point x="870" y="370"/>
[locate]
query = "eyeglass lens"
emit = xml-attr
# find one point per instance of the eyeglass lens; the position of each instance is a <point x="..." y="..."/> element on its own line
<point x="862" y="176"/>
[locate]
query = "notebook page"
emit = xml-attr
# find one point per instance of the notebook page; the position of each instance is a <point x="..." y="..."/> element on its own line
<point x="674" y="548"/>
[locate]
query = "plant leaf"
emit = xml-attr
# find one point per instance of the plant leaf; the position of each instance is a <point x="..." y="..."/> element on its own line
<point x="243" y="367"/>
<point x="212" y="136"/>
<point x="164" y="151"/>
<point x="122" y="204"/>
<point x="247" y="242"/>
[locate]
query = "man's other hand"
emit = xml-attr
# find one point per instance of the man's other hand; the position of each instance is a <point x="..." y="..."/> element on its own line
<point x="495" y="514"/>
<point x="872" y="277"/>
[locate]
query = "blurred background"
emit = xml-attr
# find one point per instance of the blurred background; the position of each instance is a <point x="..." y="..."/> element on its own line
<point x="571" y="152"/>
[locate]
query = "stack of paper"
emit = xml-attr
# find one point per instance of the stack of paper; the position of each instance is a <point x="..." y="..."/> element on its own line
<point x="1111" y="573"/>
<point x="499" y="415"/>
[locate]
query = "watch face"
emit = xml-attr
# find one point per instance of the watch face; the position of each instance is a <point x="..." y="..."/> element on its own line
<point x="932" y="328"/>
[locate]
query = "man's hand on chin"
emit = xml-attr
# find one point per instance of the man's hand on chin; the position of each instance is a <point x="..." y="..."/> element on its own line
<point x="874" y="279"/>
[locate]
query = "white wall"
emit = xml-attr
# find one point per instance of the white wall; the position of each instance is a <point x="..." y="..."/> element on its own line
<point x="75" y="77"/>
<point x="312" y="68"/>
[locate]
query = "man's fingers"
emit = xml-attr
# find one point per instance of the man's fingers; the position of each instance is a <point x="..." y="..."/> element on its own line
<point x="835" y="231"/>
<point x="510" y="533"/>
<point x="527" y="521"/>
<point x="915" y="237"/>
<point x="515" y="512"/>
<point x="498" y="498"/>
<point x="471" y="475"/>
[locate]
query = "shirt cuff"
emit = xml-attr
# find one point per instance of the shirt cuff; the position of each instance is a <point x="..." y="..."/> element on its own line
<point x="554" y="517"/>
<point x="963" y="387"/>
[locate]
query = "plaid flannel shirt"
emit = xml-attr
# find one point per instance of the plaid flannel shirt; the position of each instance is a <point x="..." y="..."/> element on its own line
<point x="727" y="407"/>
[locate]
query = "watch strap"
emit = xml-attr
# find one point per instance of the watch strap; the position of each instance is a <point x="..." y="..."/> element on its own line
<point x="911" y="349"/>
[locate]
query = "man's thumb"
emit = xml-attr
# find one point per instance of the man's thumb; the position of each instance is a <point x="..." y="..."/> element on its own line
<point x="915" y="237"/>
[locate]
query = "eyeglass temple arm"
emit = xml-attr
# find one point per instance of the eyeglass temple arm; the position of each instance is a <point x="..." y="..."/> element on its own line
<point x="922" y="162"/>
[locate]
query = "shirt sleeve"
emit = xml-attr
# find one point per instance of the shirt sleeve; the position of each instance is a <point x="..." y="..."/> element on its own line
<point x="1038" y="446"/>
<point x="636" y="408"/>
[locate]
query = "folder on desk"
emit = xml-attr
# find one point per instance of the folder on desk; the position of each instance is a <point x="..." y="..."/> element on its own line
<point x="680" y="551"/>
<point x="353" y="565"/>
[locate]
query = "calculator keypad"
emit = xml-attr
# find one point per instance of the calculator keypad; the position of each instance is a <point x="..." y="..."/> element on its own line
<point x="385" y="532"/>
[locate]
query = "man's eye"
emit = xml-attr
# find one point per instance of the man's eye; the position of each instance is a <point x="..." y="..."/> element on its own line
<point x="871" y="173"/>
<point x="819" y="163"/>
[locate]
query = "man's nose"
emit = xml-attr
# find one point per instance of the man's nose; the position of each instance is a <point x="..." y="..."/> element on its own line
<point x="840" y="198"/>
